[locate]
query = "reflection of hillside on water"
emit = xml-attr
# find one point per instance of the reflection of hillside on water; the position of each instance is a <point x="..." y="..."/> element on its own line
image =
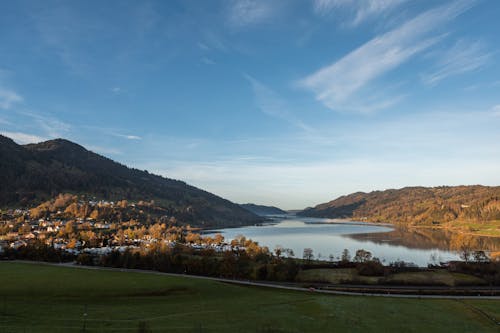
<point x="427" y="239"/>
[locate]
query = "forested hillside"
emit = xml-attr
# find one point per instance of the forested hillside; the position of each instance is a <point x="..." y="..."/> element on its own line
<point x="34" y="173"/>
<point x="263" y="210"/>
<point x="415" y="205"/>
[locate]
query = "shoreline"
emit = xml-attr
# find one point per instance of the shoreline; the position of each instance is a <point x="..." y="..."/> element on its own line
<point x="457" y="226"/>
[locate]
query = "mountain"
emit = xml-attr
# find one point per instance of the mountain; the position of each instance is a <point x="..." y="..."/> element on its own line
<point x="33" y="173"/>
<point x="415" y="205"/>
<point x="263" y="210"/>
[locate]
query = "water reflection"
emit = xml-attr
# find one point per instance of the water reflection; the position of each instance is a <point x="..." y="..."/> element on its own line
<point x="426" y="238"/>
<point x="329" y="237"/>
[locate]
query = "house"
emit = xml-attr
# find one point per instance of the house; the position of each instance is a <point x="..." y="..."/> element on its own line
<point x="12" y="235"/>
<point x="17" y="244"/>
<point x="29" y="236"/>
<point x="3" y="245"/>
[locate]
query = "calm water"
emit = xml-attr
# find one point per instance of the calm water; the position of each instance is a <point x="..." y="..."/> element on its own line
<point x="327" y="237"/>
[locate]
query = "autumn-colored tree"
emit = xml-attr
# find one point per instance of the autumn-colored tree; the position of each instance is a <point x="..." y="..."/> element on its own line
<point x="192" y="237"/>
<point x="218" y="238"/>
<point x="71" y="244"/>
<point x="69" y="228"/>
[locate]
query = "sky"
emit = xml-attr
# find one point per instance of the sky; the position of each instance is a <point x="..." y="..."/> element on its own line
<point x="289" y="103"/>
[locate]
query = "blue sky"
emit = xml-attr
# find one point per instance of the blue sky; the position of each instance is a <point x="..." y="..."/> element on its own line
<point x="289" y="103"/>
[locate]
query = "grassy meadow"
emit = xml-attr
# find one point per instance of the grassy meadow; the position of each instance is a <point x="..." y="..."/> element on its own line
<point x="438" y="277"/>
<point x="42" y="298"/>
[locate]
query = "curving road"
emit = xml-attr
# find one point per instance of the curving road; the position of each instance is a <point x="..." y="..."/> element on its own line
<point x="331" y="291"/>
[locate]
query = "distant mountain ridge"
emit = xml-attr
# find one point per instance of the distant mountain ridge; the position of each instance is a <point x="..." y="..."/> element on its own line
<point x="415" y="205"/>
<point x="34" y="173"/>
<point x="262" y="210"/>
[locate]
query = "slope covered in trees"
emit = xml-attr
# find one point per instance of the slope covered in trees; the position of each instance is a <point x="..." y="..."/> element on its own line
<point x="416" y="205"/>
<point x="263" y="210"/>
<point x="34" y="173"/>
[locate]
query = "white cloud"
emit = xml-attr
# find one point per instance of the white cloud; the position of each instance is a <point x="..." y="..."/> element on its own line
<point x="207" y="61"/>
<point x="116" y="90"/>
<point x="463" y="57"/>
<point x="361" y="10"/>
<point x="297" y="185"/>
<point x="247" y="12"/>
<point x="213" y="42"/>
<point x="133" y="137"/>
<point x="52" y="127"/>
<point x="337" y="85"/>
<point x="103" y="150"/>
<point x="203" y="46"/>
<point x="8" y="98"/>
<point x="273" y="105"/>
<point x="127" y="136"/>
<point x="23" y="138"/>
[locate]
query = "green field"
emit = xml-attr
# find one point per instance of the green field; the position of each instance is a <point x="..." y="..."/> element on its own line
<point x="438" y="277"/>
<point x="42" y="298"/>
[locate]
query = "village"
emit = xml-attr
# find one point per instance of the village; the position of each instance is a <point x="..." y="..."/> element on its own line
<point x="97" y="236"/>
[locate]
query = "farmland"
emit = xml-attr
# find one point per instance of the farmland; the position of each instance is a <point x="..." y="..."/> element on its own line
<point x="42" y="298"/>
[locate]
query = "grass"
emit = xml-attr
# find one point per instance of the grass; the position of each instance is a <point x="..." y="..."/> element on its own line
<point x="438" y="277"/>
<point x="486" y="228"/>
<point x="336" y="276"/>
<point x="41" y="298"/>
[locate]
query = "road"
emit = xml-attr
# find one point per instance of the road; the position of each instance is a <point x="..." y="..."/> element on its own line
<point x="280" y="286"/>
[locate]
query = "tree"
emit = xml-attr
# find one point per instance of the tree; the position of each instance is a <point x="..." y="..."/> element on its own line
<point x="218" y="239"/>
<point x="434" y="258"/>
<point x="68" y="228"/>
<point x="71" y="244"/>
<point x="346" y="256"/>
<point x="308" y="254"/>
<point x="289" y="252"/>
<point x="192" y="237"/>
<point x="362" y="256"/>
<point x="480" y="256"/>
<point x="278" y="250"/>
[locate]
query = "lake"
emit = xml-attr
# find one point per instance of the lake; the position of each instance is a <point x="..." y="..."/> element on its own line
<point x="330" y="237"/>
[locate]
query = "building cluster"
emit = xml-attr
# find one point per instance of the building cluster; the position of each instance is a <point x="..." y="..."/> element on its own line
<point x="88" y="235"/>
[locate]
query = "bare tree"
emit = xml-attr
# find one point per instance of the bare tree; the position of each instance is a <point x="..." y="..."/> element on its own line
<point x="346" y="256"/>
<point x="308" y="254"/>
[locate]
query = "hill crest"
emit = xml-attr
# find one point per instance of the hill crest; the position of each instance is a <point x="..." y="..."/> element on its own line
<point x="34" y="173"/>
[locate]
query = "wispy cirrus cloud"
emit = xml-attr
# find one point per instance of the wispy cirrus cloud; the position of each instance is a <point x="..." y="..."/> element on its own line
<point x="23" y="138"/>
<point x="116" y="90"/>
<point x="270" y="103"/>
<point x="51" y="126"/>
<point x="104" y="150"/>
<point x="127" y="136"/>
<point x="465" y="56"/>
<point x="207" y="61"/>
<point x="247" y="12"/>
<point x="340" y="84"/>
<point x="112" y="131"/>
<point x="8" y="98"/>
<point x="360" y="10"/>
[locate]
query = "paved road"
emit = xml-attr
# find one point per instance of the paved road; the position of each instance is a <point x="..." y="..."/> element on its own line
<point x="271" y="285"/>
